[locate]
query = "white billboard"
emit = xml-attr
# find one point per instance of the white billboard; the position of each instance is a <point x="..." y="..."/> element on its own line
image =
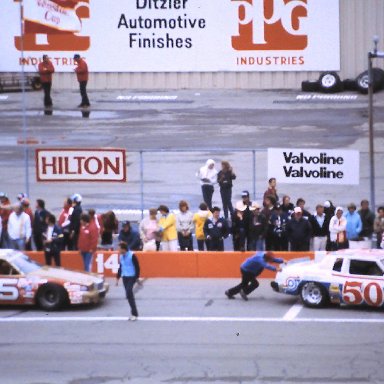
<point x="314" y="166"/>
<point x="173" y="35"/>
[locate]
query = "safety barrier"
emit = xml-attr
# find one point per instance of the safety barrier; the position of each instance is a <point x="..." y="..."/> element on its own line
<point x="170" y="264"/>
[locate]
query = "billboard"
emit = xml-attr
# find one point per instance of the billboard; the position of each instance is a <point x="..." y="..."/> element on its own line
<point x="173" y="35"/>
<point x="314" y="166"/>
<point x="61" y="164"/>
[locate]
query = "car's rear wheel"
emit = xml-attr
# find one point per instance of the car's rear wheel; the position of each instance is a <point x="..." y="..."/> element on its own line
<point x="313" y="295"/>
<point x="51" y="297"/>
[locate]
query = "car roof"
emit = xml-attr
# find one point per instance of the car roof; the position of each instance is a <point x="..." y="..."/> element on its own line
<point x="367" y="254"/>
<point x="8" y="254"/>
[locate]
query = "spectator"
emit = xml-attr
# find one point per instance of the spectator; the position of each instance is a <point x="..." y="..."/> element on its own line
<point x="320" y="229"/>
<point x="354" y="224"/>
<point x="53" y="238"/>
<point x="272" y="191"/>
<point x="130" y="236"/>
<point x="82" y="77"/>
<point x="5" y="211"/>
<point x="64" y="223"/>
<point x="247" y="214"/>
<point x="224" y="178"/>
<point x="257" y="229"/>
<point x="27" y="209"/>
<point x="46" y="69"/>
<point x="19" y="228"/>
<point x="329" y="211"/>
<point x="268" y="210"/>
<point x="39" y="224"/>
<point x="94" y="223"/>
<point x="167" y="226"/>
<point x="337" y="233"/>
<point x="298" y="231"/>
<point x="184" y="226"/>
<point x="199" y="219"/>
<point x="379" y="226"/>
<point x="239" y="227"/>
<point x="208" y="178"/>
<point x="87" y="242"/>
<point x="250" y="269"/>
<point x="287" y="206"/>
<point x="279" y="220"/>
<point x="149" y="232"/>
<point x="74" y="219"/>
<point x="110" y="226"/>
<point x="301" y="203"/>
<point x="367" y="219"/>
<point x="216" y="230"/>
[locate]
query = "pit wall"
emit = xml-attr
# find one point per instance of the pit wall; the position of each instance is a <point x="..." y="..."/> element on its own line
<point x="171" y="264"/>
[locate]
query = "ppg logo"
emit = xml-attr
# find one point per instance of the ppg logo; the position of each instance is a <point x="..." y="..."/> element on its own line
<point x="270" y="25"/>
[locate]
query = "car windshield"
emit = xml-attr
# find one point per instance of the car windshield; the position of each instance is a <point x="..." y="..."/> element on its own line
<point x="24" y="264"/>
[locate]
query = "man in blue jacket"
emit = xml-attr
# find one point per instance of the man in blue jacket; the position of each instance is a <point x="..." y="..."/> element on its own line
<point x="129" y="270"/>
<point x="250" y="269"/>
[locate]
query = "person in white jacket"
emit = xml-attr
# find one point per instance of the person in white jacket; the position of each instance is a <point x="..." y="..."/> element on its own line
<point x="337" y="230"/>
<point x="19" y="228"/>
<point x="208" y="178"/>
<point x="184" y="226"/>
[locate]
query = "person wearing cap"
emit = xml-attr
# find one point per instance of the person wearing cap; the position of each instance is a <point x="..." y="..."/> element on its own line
<point x="298" y="231"/>
<point x="208" y="178"/>
<point x="320" y="228"/>
<point x="129" y="236"/>
<point x="46" y="69"/>
<point x="337" y="233"/>
<point x="167" y="228"/>
<point x="224" y="178"/>
<point x="216" y="230"/>
<point x="19" y="228"/>
<point x="354" y="224"/>
<point x="257" y="228"/>
<point x="279" y="220"/>
<point x="81" y="70"/>
<point x="39" y="226"/>
<point x="239" y="227"/>
<point x="250" y="269"/>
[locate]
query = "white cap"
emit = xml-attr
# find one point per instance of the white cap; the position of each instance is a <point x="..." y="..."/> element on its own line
<point x="297" y="210"/>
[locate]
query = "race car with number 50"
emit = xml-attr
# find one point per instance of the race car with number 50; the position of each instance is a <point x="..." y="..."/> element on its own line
<point x="26" y="282"/>
<point x="347" y="277"/>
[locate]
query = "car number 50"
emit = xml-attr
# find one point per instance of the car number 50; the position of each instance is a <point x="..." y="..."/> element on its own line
<point x="355" y="293"/>
<point x="8" y="289"/>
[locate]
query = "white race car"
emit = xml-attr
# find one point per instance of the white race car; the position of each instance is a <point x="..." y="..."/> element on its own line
<point x="350" y="276"/>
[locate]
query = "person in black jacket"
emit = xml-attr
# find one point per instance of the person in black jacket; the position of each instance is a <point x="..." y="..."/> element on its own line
<point x="216" y="230"/>
<point x="298" y="231"/>
<point x="129" y="236"/>
<point x="53" y="238"/>
<point x="320" y="228"/>
<point x="74" y="218"/>
<point x="39" y="226"/>
<point x="224" y="178"/>
<point x="257" y="229"/>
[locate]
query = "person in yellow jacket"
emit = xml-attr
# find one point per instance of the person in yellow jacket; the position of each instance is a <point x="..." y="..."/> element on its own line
<point x="167" y="224"/>
<point x="199" y="219"/>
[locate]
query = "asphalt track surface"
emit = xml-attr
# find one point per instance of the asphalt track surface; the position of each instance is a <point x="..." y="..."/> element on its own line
<point x="177" y="131"/>
<point x="189" y="332"/>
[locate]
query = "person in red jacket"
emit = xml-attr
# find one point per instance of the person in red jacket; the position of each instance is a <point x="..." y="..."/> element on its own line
<point x="82" y="77"/>
<point x="88" y="239"/>
<point x="46" y="69"/>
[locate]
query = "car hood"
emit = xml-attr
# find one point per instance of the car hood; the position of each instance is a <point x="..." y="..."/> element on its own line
<point x="298" y="269"/>
<point x="82" y="278"/>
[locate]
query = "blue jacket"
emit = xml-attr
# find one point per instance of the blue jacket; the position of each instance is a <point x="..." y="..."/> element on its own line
<point x="354" y="225"/>
<point x="256" y="264"/>
<point x="129" y="265"/>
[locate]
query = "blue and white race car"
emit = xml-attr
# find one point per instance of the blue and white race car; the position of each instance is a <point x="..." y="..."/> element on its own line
<point x="350" y="277"/>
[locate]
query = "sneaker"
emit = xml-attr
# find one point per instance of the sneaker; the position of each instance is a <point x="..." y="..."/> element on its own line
<point x="132" y="318"/>
<point x="229" y="295"/>
<point x="243" y="295"/>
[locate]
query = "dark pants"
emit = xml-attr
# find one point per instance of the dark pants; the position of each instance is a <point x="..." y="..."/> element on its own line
<point x="185" y="242"/>
<point x="248" y="284"/>
<point x="129" y="282"/>
<point x="47" y="94"/>
<point x="200" y="245"/>
<point x="207" y="191"/>
<point x="226" y="199"/>
<point x="52" y="255"/>
<point x="38" y="239"/>
<point x="83" y="93"/>
<point x="298" y="246"/>
<point x="215" y="244"/>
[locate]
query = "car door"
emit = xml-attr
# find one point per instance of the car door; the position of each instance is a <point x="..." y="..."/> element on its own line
<point x="9" y="282"/>
<point x="363" y="283"/>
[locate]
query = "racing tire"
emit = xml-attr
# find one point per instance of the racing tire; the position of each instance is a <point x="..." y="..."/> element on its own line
<point x="329" y="82"/>
<point x="36" y="84"/>
<point x="378" y="81"/>
<point x="310" y="86"/>
<point x="51" y="297"/>
<point x="313" y="295"/>
<point x="349" y="85"/>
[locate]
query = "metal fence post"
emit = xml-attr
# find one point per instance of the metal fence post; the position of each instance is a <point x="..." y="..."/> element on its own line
<point x="142" y="184"/>
<point x="254" y="174"/>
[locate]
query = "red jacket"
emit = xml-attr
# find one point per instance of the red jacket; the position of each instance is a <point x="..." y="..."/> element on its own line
<point x="81" y="70"/>
<point x="88" y="238"/>
<point x="45" y="70"/>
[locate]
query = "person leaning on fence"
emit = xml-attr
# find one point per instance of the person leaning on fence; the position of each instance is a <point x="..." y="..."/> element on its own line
<point x="199" y="219"/>
<point x="216" y="230"/>
<point x="150" y="231"/>
<point x="379" y="226"/>
<point x="337" y="230"/>
<point x="53" y="239"/>
<point x="184" y="225"/>
<point x="167" y="227"/>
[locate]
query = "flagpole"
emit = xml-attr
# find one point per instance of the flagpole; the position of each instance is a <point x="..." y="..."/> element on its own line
<point x="23" y="102"/>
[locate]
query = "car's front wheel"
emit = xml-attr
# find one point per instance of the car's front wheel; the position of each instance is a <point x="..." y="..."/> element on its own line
<point x="313" y="295"/>
<point x="51" y="297"/>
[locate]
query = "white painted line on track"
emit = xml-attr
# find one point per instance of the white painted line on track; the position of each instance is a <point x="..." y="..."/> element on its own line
<point x="185" y="319"/>
<point x="293" y="312"/>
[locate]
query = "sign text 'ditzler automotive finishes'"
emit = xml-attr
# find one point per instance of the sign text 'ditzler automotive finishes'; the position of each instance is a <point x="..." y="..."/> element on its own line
<point x="101" y="165"/>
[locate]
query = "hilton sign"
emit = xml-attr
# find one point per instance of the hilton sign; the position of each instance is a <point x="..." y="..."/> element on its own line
<point x="101" y="165"/>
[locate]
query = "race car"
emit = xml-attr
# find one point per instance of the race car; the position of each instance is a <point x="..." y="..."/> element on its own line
<point x="346" y="277"/>
<point x="26" y="282"/>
